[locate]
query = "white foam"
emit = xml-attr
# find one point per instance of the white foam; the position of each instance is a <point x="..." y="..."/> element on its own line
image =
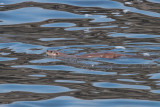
<point x="146" y="54"/>
<point x="87" y="15"/>
<point x="125" y="11"/>
<point x="127" y="2"/>
<point x="120" y="47"/>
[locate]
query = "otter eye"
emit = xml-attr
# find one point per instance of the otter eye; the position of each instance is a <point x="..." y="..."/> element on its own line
<point x="56" y="53"/>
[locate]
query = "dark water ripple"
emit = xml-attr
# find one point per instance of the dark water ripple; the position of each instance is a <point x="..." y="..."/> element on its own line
<point x="29" y="78"/>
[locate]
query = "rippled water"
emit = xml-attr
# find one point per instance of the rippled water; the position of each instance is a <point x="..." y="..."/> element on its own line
<point x="30" y="78"/>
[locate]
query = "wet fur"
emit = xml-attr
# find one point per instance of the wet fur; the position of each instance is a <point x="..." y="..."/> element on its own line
<point x="91" y="55"/>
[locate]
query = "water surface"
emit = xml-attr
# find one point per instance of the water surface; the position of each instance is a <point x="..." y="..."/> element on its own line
<point x="30" y="78"/>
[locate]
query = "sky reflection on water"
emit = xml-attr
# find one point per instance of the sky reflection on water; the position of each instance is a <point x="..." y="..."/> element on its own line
<point x="30" y="78"/>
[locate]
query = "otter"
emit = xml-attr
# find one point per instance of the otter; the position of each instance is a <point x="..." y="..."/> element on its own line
<point x="90" y="55"/>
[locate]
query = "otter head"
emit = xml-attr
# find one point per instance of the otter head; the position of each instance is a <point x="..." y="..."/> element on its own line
<point x="53" y="53"/>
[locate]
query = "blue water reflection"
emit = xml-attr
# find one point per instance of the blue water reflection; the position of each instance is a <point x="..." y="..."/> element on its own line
<point x="65" y="68"/>
<point x="32" y="88"/>
<point x="55" y="39"/>
<point x="30" y="78"/>
<point x="59" y="25"/>
<point x="7" y="59"/>
<point x="134" y="35"/>
<point x="23" y="48"/>
<point x="116" y="85"/>
<point x="73" y="102"/>
<point x="33" y="14"/>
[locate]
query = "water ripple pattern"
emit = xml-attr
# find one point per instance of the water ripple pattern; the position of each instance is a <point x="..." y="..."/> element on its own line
<point x="30" y="78"/>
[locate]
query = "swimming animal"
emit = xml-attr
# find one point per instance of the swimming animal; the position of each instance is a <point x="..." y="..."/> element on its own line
<point x="90" y="55"/>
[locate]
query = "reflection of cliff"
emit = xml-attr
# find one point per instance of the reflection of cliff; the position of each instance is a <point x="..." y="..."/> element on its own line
<point x="91" y="32"/>
<point x="142" y="5"/>
<point x="84" y="90"/>
<point x="7" y="98"/>
<point x="124" y="23"/>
